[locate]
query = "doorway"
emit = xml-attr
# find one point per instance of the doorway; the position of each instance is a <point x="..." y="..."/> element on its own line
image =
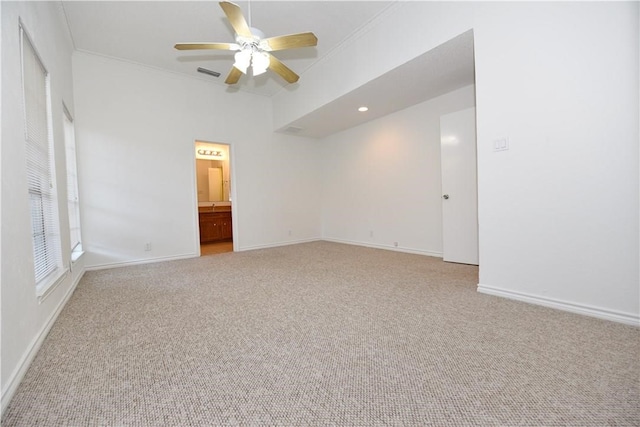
<point x="213" y="189"/>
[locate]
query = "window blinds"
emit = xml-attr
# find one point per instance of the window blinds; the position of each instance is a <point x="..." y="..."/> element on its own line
<point x="40" y="171"/>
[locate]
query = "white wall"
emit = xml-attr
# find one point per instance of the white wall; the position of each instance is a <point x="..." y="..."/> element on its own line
<point x="136" y="129"/>
<point x="384" y="178"/>
<point x="25" y="322"/>
<point x="558" y="212"/>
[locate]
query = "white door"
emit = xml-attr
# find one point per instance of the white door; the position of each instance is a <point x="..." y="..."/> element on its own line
<point x="459" y="187"/>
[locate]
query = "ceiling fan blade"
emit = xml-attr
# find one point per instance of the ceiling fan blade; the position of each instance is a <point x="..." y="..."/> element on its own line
<point x="236" y="18"/>
<point x="290" y="41"/>
<point x="233" y="76"/>
<point x="197" y="46"/>
<point x="284" y="71"/>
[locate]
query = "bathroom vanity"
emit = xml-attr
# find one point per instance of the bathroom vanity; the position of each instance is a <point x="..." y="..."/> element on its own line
<point x="215" y="224"/>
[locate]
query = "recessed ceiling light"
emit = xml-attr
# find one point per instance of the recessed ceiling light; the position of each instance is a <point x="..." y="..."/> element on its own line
<point x="363" y="109"/>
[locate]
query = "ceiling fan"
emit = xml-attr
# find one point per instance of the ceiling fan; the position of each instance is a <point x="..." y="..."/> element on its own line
<point x="253" y="48"/>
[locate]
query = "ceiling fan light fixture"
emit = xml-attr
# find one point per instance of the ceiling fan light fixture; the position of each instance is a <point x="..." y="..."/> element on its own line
<point x="243" y="60"/>
<point x="260" y="63"/>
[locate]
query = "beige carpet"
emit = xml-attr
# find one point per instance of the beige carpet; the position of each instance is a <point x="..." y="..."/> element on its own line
<point x="322" y="334"/>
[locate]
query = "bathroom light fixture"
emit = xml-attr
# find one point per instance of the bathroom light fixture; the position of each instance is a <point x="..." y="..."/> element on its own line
<point x="214" y="153"/>
<point x="363" y="109"/>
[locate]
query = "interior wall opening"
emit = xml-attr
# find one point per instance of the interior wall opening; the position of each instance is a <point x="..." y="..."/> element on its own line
<point x="213" y="189"/>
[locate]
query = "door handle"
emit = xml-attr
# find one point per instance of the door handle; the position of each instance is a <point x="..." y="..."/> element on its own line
<point x="446" y="197"/>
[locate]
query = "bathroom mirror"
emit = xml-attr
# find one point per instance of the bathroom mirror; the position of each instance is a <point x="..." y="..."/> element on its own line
<point x="212" y="180"/>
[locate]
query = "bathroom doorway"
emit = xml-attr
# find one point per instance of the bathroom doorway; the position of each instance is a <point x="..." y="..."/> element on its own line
<point x="213" y="189"/>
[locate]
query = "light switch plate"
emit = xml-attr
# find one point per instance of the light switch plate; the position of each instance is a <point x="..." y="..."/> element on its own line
<point x="501" y="144"/>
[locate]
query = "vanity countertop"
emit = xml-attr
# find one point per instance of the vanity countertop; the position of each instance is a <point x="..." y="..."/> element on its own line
<point x="214" y="209"/>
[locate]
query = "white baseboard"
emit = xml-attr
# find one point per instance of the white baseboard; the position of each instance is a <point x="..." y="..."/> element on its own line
<point x="386" y="247"/>
<point x="615" y="316"/>
<point x="275" y="245"/>
<point x="238" y="248"/>
<point x="139" y="262"/>
<point x="19" y="372"/>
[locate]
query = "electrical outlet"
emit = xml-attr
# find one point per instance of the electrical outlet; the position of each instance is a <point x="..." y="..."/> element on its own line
<point x="370" y="233"/>
<point x="395" y="244"/>
<point x="290" y="232"/>
<point x="147" y="246"/>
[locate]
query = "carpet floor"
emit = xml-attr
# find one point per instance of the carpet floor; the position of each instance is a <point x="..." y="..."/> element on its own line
<point x="321" y="334"/>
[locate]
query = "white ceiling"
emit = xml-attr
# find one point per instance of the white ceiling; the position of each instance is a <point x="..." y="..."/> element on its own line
<point x="145" y="32"/>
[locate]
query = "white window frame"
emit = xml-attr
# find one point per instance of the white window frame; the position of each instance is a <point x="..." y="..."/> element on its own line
<point x="41" y="175"/>
<point x="73" y="198"/>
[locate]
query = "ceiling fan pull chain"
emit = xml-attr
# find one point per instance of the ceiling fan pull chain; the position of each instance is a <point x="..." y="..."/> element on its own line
<point x="250" y="25"/>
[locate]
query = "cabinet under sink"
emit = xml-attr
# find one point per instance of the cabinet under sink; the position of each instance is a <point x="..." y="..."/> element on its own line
<point x="215" y="226"/>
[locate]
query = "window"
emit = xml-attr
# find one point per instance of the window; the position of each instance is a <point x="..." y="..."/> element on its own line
<point x="40" y="168"/>
<point x="72" y="187"/>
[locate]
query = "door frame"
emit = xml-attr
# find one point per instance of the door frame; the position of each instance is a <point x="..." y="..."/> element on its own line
<point x="232" y="192"/>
